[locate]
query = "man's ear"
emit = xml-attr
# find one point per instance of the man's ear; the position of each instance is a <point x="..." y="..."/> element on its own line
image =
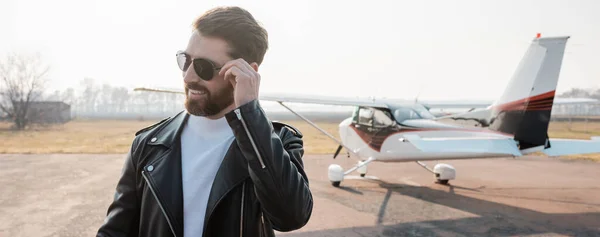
<point x="255" y="66"/>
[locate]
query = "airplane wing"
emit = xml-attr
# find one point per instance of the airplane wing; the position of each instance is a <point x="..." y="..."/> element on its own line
<point x="161" y="90"/>
<point x="456" y="104"/>
<point x="295" y="98"/>
<point x="485" y="104"/>
<point x="324" y="100"/>
<point x="373" y="102"/>
<point x="383" y="103"/>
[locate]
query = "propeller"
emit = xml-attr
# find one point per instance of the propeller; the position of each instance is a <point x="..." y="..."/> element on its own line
<point x="337" y="151"/>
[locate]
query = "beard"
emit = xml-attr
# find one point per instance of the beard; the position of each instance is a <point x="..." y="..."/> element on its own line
<point x="210" y="103"/>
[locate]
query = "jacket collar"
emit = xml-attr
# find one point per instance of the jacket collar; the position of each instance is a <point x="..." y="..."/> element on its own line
<point x="169" y="134"/>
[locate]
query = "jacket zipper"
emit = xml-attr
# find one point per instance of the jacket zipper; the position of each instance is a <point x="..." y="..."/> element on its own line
<point x="242" y="215"/>
<point x="239" y="116"/>
<point x="159" y="203"/>
<point x="262" y="220"/>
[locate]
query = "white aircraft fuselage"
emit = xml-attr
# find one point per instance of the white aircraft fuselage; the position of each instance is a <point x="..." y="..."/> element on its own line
<point x="390" y="143"/>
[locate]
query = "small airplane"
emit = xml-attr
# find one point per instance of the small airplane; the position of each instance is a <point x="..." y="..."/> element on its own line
<point x="516" y="124"/>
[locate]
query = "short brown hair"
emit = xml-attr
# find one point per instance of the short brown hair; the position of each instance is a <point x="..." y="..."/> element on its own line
<point x="246" y="37"/>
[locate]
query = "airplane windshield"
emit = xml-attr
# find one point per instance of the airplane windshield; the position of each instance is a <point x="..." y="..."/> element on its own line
<point x="405" y="113"/>
<point x="402" y="114"/>
<point x="423" y="112"/>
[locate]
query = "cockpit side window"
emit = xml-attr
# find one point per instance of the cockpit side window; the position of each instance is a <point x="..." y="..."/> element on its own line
<point x="382" y="119"/>
<point x="373" y="117"/>
<point x="365" y="116"/>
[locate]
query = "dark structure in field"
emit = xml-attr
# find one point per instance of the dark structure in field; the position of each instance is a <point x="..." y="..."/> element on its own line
<point x="49" y="112"/>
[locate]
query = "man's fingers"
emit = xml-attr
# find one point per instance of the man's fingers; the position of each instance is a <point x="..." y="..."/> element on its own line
<point x="234" y="73"/>
<point x="226" y="67"/>
<point x="241" y="64"/>
<point x="229" y="76"/>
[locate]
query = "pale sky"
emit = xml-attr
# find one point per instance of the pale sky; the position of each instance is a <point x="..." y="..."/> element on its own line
<point x="444" y="49"/>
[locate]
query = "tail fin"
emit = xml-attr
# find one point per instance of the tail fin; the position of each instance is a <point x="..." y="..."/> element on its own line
<point x="525" y="106"/>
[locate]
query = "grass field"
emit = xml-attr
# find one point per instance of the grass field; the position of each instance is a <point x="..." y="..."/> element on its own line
<point x="108" y="136"/>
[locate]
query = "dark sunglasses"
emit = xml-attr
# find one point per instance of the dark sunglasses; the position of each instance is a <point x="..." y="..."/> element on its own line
<point x="204" y="68"/>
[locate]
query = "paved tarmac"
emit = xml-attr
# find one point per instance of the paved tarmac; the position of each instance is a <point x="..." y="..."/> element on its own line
<point x="67" y="195"/>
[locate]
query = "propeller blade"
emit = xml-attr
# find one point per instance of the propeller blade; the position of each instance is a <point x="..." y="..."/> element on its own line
<point x="337" y="151"/>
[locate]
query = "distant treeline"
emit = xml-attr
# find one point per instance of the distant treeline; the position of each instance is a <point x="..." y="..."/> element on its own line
<point x="91" y="100"/>
<point x="577" y="92"/>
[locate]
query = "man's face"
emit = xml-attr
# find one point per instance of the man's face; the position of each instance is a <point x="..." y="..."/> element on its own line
<point x="206" y="98"/>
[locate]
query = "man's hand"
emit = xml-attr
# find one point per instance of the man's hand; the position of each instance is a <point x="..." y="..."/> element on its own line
<point x="244" y="78"/>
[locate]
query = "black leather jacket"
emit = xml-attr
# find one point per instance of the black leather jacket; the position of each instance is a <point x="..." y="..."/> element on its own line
<point x="260" y="185"/>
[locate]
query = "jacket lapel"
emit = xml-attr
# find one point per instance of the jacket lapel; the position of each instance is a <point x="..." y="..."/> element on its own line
<point x="232" y="171"/>
<point x="166" y="170"/>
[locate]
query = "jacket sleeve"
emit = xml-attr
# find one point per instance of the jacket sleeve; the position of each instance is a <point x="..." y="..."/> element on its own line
<point x="123" y="213"/>
<point x="275" y="166"/>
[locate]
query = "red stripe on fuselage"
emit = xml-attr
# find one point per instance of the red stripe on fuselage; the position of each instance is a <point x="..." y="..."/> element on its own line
<point x="539" y="102"/>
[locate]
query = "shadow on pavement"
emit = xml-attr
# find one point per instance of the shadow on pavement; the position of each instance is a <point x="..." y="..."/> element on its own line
<point x="493" y="219"/>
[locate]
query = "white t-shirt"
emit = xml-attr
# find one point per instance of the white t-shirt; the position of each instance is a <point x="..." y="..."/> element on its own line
<point x="204" y="143"/>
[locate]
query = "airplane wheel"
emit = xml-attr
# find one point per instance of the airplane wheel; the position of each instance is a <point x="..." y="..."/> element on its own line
<point x="335" y="174"/>
<point x="362" y="170"/>
<point x="444" y="173"/>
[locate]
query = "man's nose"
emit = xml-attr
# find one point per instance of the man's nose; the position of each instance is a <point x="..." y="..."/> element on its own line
<point x="190" y="76"/>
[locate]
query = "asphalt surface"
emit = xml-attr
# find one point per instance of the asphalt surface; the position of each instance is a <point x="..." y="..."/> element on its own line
<point x="67" y="195"/>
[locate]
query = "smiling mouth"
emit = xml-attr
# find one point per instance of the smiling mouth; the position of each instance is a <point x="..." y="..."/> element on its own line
<point x="196" y="92"/>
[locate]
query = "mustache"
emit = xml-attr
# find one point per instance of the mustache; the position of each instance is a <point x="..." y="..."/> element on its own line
<point x="195" y="86"/>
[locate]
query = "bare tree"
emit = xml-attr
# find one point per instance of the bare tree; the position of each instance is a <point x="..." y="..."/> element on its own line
<point x="120" y="97"/>
<point x="576" y="92"/>
<point x="106" y="101"/>
<point x="68" y="96"/>
<point x="22" y="81"/>
<point x="596" y="94"/>
<point x="90" y="95"/>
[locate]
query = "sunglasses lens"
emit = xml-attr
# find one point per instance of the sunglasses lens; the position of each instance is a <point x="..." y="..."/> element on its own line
<point x="204" y="69"/>
<point x="183" y="62"/>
